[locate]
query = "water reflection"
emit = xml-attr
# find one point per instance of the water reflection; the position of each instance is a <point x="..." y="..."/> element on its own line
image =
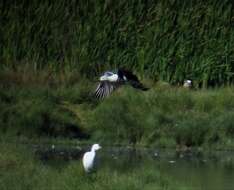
<point x="193" y="169"/>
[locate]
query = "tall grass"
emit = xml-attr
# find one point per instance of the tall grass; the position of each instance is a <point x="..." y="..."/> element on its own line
<point x="168" y="40"/>
<point x="166" y="117"/>
<point x="64" y="106"/>
<point x="33" y="106"/>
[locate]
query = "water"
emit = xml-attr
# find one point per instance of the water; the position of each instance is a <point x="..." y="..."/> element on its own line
<point x="190" y="170"/>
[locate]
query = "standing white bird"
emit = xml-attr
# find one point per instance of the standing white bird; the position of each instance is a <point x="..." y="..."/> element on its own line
<point x="89" y="157"/>
<point x="109" y="81"/>
<point x="187" y="84"/>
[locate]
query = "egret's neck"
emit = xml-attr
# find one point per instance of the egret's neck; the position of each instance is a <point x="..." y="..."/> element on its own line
<point x="93" y="150"/>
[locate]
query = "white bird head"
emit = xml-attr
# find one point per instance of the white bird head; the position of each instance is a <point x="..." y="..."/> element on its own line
<point x="187" y="83"/>
<point x="96" y="147"/>
<point x="103" y="78"/>
<point x="109" y="76"/>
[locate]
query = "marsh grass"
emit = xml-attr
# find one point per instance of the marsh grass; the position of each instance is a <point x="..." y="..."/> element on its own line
<point x="20" y="169"/>
<point x="33" y="106"/>
<point x="163" y="40"/>
<point x="165" y="115"/>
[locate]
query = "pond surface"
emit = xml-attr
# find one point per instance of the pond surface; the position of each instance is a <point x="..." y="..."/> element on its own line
<point x="191" y="170"/>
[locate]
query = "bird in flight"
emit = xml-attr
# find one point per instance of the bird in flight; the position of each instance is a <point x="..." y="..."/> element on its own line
<point x="110" y="81"/>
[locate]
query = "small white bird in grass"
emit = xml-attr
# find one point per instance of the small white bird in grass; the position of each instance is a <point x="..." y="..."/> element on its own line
<point x="109" y="81"/>
<point x="187" y="84"/>
<point x="89" y="157"/>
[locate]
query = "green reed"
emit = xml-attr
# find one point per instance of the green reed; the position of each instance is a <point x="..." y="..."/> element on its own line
<point x="167" y="40"/>
<point x="63" y="106"/>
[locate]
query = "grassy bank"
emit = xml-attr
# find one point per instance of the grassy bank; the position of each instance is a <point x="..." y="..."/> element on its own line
<point x="165" y="40"/>
<point x="165" y="116"/>
<point x="20" y="169"/>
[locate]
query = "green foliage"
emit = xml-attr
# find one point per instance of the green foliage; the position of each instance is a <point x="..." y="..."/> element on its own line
<point x="117" y="116"/>
<point x="165" y="40"/>
<point x="165" y="117"/>
<point x="36" y="112"/>
<point x="19" y="169"/>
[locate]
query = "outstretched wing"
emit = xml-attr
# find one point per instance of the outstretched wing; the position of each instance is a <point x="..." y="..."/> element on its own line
<point x="138" y="85"/>
<point x="104" y="89"/>
<point x="132" y="79"/>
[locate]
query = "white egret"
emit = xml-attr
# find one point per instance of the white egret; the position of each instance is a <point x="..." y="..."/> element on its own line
<point x="89" y="157"/>
<point x="109" y="81"/>
<point x="187" y="84"/>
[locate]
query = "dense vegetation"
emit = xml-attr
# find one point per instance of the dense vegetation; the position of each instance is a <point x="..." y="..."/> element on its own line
<point x="168" y="40"/>
<point x="164" y="116"/>
<point x="49" y="51"/>
<point x="20" y="169"/>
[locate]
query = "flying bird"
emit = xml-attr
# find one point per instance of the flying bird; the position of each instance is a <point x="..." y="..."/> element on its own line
<point x="89" y="157"/>
<point x="109" y="81"/>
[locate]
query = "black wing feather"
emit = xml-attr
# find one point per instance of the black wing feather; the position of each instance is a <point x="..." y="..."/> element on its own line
<point x="132" y="79"/>
<point x="138" y="85"/>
